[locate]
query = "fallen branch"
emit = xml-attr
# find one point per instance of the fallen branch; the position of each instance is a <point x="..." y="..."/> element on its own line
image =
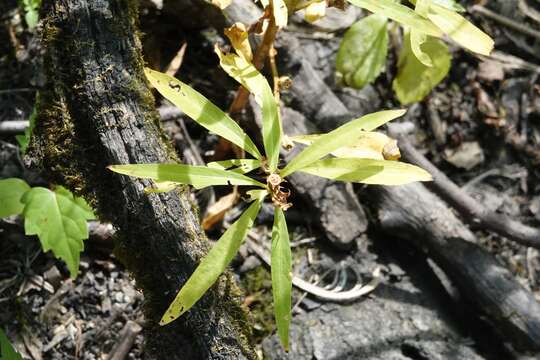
<point x="473" y="212"/>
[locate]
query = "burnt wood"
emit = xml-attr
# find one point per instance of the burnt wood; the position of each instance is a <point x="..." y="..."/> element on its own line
<point x="96" y="110"/>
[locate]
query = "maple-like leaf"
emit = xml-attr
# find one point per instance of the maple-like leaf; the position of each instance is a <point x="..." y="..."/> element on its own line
<point x="60" y="221"/>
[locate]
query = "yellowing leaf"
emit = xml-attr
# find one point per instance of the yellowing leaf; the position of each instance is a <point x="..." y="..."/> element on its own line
<point x="238" y="36"/>
<point x="460" y="30"/>
<point x="362" y="52"/>
<point x="212" y="265"/>
<point x="315" y="11"/>
<point x="418" y="38"/>
<point x="280" y="12"/>
<point x="241" y="166"/>
<point x="400" y="13"/>
<point x="369" y="145"/>
<point x="200" y="109"/>
<point x="198" y="176"/>
<point x="59" y="220"/>
<point x="415" y="80"/>
<point x="281" y="269"/>
<point x="343" y="136"/>
<point x="11" y="192"/>
<point x="222" y="4"/>
<point x="367" y="171"/>
<point x="246" y="74"/>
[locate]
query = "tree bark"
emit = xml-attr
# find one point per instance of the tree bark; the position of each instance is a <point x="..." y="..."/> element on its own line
<point x="96" y="110"/>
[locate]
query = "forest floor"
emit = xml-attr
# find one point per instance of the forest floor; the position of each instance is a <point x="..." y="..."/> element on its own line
<point x="480" y="126"/>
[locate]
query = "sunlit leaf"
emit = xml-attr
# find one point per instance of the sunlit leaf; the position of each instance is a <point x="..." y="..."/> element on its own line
<point x="222" y="4"/>
<point x="212" y="265"/>
<point x="280" y="13"/>
<point x="281" y="269"/>
<point x="362" y="52"/>
<point x="198" y="176"/>
<point x="417" y="39"/>
<point x="343" y="136"/>
<point x="460" y="30"/>
<point x="449" y="4"/>
<point x="161" y="187"/>
<point x="367" y="171"/>
<point x="415" y="80"/>
<point x="241" y="166"/>
<point x="369" y="145"/>
<point x="11" y="192"/>
<point x="400" y="13"/>
<point x="246" y="74"/>
<point x="59" y="220"/>
<point x="256" y="194"/>
<point x="315" y="11"/>
<point x="7" y="352"/>
<point x="239" y="39"/>
<point x="200" y="109"/>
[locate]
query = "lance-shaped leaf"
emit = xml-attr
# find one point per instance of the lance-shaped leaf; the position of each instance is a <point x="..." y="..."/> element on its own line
<point x="59" y="220"/>
<point x="241" y="166"/>
<point x="367" y="171"/>
<point x="362" y="52"/>
<point x="417" y="38"/>
<point x="343" y="136"/>
<point x="415" y="80"/>
<point x="369" y="145"/>
<point x="7" y="352"/>
<point x="280" y="12"/>
<point x="449" y="4"/>
<point x="246" y="74"/>
<point x="202" y="110"/>
<point x="281" y="269"/>
<point x="198" y="176"/>
<point x="212" y="265"/>
<point x="460" y="30"/>
<point x="400" y="13"/>
<point x="11" y="192"/>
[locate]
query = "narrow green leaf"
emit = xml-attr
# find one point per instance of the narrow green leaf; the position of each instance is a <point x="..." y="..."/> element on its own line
<point x="281" y="269"/>
<point x="461" y="30"/>
<point x="202" y="110"/>
<point x="362" y="52"/>
<point x="449" y="4"/>
<point x="367" y="171"/>
<point x="59" y="220"/>
<point x="7" y="352"/>
<point x="415" y="80"/>
<point x="212" y="265"/>
<point x="417" y="40"/>
<point x="11" y="192"/>
<point x="198" y="176"/>
<point x="400" y="13"/>
<point x="247" y="75"/>
<point x="241" y="166"/>
<point x="343" y="136"/>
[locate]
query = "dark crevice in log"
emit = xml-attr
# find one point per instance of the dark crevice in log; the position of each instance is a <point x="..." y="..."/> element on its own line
<point x="97" y="110"/>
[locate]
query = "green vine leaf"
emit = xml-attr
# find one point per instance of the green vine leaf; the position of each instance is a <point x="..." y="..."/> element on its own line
<point x="59" y="220"/>
<point x="7" y="352"/>
<point x="212" y="265"/>
<point x="281" y="269"/>
<point x="11" y="192"/>
<point x="362" y="52"/>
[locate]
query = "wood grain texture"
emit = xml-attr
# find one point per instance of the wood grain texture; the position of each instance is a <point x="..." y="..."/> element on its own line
<point x="96" y="110"/>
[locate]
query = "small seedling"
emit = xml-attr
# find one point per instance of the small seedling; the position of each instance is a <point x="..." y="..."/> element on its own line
<point x="359" y="156"/>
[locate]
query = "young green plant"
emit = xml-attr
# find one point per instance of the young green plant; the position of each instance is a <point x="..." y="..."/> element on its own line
<point x="313" y="159"/>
